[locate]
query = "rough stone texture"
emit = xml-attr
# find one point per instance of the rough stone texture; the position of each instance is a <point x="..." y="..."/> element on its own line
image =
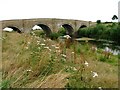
<point x="25" y="25"/>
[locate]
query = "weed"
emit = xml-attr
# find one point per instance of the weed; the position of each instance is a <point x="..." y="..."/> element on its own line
<point x="5" y="84"/>
<point x="103" y="59"/>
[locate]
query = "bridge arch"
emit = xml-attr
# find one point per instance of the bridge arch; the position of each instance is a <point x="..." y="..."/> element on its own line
<point x="82" y="26"/>
<point x="76" y="33"/>
<point x="68" y="29"/>
<point x="45" y="28"/>
<point x="14" y="28"/>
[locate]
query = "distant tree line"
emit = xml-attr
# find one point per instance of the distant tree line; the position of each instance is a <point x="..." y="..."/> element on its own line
<point x="109" y="31"/>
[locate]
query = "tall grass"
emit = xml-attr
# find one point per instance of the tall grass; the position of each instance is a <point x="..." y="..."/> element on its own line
<point x="31" y="61"/>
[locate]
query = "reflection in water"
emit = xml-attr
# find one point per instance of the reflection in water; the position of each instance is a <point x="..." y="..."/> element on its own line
<point x="105" y="45"/>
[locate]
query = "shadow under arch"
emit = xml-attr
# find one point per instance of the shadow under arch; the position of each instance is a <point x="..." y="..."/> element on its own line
<point x="68" y="28"/>
<point x="76" y="34"/>
<point x="83" y="26"/>
<point x="14" y="28"/>
<point x="45" y="28"/>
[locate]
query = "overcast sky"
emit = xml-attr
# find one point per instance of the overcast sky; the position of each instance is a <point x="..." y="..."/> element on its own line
<point x="89" y="10"/>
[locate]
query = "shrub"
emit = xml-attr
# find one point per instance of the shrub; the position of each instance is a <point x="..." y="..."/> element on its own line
<point x="62" y="31"/>
<point x="54" y="36"/>
<point x="98" y="21"/>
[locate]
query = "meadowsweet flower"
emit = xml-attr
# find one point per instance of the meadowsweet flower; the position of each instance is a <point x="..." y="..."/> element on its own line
<point x="94" y="74"/>
<point x="58" y="51"/>
<point x="63" y="55"/>
<point x="48" y="39"/>
<point x="38" y="47"/>
<point x="38" y="41"/>
<point x="33" y="33"/>
<point x="29" y="70"/>
<point x="44" y="40"/>
<point x="46" y="47"/>
<point x="42" y="44"/>
<point x="100" y="88"/>
<point x="74" y="69"/>
<point x="64" y="59"/>
<point x="94" y="48"/>
<point x="26" y="47"/>
<point x="37" y="37"/>
<point x="49" y="49"/>
<point x="2" y="38"/>
<point x="56" y="47"/>
<point x="86" y="63"/>
<point x="53" y="45"/>
<point x="73" y="52"/>
<point x="28" y="42"/>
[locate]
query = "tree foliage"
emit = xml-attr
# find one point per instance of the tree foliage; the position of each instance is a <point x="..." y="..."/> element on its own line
<point x="101" y="31"/>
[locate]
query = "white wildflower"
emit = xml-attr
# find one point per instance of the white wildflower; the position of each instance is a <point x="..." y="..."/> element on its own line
<point x="53" y="45"/>
<point x="73" y="52"/>
<point x="58" y="51"/>
<point x="100" y="88"/>
<point x="38" y="47"/>
<point x="94" y="74"/>
<point x="37" y="37"/>
<point x="44" y="40"/>
<point x="29" y="70"/>
<point x="56" y="47"/>
<point x="49" y="49"/>
<point x="38" y="41"/>
<point x="33" y="34"/>
<point x="63" y="55"/>
<point x="2" y="38"/>
<point x="46" y="47"/>
<point x="49" y="39"/>
<point x="26" y="47"/>
<point x="28" y="42"/>
<point x="94" y="48"/>
<point x="74" y="69"/>
<point x="86" y="63"/>
<point x="64" y="59"/>
<point x="42" y="44"/>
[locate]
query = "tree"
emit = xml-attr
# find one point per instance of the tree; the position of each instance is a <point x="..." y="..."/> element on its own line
<point x="114" y="17"/>
<point x="98" y="21"/>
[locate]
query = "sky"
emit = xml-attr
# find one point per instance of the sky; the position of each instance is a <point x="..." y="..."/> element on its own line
<point x="88" y="10"/>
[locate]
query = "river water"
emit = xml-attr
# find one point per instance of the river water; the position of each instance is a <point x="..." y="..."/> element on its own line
<point x="112" y="47"/>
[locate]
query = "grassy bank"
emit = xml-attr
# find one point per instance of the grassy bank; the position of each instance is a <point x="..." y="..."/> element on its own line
<point x="30" y="61"/>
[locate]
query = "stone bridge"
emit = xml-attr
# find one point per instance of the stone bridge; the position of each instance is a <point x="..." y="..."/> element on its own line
<point x="49" y="25"/>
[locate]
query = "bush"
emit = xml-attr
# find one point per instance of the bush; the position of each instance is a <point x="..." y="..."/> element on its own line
<point x="62" y="31"/>
<point x="54" y="36"/>
<point x="98" y="21"/>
